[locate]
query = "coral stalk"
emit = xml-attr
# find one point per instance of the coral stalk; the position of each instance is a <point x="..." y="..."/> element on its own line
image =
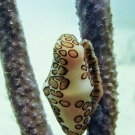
<point x="95" y="21"/>
<point x="20" y="81"/>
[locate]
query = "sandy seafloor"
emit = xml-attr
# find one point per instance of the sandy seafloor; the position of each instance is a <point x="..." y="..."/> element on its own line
<point x="42" y="27"/>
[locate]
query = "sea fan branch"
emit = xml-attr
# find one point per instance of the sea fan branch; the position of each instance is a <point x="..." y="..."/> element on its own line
<point x="95" y="21"/>
<point x="20" y="81"/>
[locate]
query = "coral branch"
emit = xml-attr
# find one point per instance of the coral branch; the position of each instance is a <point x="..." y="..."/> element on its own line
<point x="20" y="81"/>
<point x="95" y="21"/>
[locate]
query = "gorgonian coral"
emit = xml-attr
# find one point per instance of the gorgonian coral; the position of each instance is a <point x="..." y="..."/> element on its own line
<point x="95" y="21"/>
<point x="20" y="81"/>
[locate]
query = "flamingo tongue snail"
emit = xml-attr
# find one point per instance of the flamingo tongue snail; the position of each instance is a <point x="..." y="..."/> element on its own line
<point x="73" y="86"/>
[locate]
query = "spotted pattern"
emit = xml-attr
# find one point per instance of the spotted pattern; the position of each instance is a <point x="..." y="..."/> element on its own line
<point x="78" y="104"/>
<point x="78" y="119"/>
<point x="59" y="119"/>
<point x="47" y="91"/>
<point x="85" y="106"/>
<point x="56" y="57"/>
<point x="84" y="128"/>
<point x="94" y="73"/>
<point x="62" y="70"/>
<point x="72" y="133"/>
<point x="57" y="46"/>
<point x="54" y="50"/>
<point x="83" y="67"/>
<point x="78" y="126"/>
<point x="75" y="42"/>
<point x="55" y="65"/>
<point x="53" y="101"/>
<point x="67" y="44"/>
<point x="63" y="52"/>
<point x="87" y="113"/>
<point x="53" y="83"/>
<point x="84" y="75"/>
<point x="64" y="103"/>
<point x="72" y="109"/>
<point x="57" y="93"/>
<point x="64" y="128"/>
<point x="73" y="53"/>
<point x="54" y="72"/>
<point x="68" y="38"/>
<point x="85" y="120"/>
<point x="63" y="61"/>
<point x="55" y="108"/>
<point x="64" y="84"/>
<point x="58" y="82"/>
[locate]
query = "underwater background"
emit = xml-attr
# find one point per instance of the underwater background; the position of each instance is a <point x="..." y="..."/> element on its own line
<point x="43" y="22"/>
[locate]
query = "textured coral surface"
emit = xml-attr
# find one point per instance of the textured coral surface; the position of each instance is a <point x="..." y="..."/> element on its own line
<point x="95" y="21"/>
<point x="20" y="81"/>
